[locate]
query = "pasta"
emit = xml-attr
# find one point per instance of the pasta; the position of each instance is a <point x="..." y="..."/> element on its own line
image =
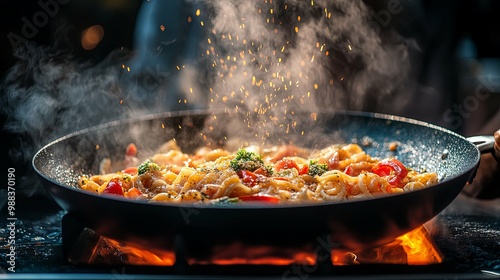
<point x="275" y="175"/>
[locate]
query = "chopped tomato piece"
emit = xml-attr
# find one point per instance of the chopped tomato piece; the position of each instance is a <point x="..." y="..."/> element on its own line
<point x="133" y="193"/>
<point x="286" y="164"/>
<point x="260" y="198"/>
<point x="261" y="171"/>
<point x="392" y="168"/>
<point x="114" y="187"/>
<point x="131" y="150"/>
<point x="131" y="170"/>
<point x="304" y="169"/>
<point x="249" y="178"/>
<point x="349" y="170"/>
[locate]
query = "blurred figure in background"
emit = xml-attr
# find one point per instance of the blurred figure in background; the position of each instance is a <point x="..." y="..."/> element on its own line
<point x="165" y="60"/>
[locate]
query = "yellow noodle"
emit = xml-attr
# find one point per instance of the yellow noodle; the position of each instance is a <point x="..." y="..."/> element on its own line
<point x="208" y="175"/>
<point x="183" y="176"/>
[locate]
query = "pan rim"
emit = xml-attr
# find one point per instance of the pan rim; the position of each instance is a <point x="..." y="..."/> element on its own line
<point x="199" y="112"/>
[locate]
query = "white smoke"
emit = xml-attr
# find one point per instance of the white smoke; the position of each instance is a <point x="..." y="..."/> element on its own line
<point x="48" y="94"/>
<point x="302" y="54"/>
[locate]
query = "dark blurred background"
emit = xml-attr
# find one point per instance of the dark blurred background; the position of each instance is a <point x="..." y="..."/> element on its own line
<point x="116" y="17"/>
<point x="459" y="43"/>
<point x="39" y="23"/>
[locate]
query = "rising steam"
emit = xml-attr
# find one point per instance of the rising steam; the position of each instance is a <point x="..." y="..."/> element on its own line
<point x="48" y="94"/>
<point x="276" y="56"/>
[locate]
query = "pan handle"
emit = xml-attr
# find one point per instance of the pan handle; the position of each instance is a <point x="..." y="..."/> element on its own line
<point x="484" y="143"/>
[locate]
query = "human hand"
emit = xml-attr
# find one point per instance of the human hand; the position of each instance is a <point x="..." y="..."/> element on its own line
<point x="486" y="184"/>
<point x="496" y="152"/>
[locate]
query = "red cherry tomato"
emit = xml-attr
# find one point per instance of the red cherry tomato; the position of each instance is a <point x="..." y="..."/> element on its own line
<point x="392" y="168"/>
<point x="260" y="198"/>
<point x="114" y="187"/>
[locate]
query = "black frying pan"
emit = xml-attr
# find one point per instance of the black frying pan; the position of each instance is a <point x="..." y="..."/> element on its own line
<point x="357" y="223"/>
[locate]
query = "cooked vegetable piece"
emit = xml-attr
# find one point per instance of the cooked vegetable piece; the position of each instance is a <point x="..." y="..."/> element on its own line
<point x="265" y="171"/>
<point x="131" y="150"/>
<point x="225" y="201"/>
<point x="248" y="177"/>
<point x="147" y="166"/>
<point x="133" y="193"/>
<point x="286" y="163"/>
<point x="260" y="198"/>
<point x="316" y="168"/>
<point x="131" y="170"/>
<point x="245" y="160"/>
<point x="392" y="168"/>
<point x="114" y="187"/>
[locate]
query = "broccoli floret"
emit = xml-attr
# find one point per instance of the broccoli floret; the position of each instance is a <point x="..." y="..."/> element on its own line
<point x="245" y="160"/>
<point x="317" y="169"/>
<point x="147" y="166"/>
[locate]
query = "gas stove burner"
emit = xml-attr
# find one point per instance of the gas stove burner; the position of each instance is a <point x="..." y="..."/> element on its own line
<point x="465" y="238"/>
<point x="83" y="246"/>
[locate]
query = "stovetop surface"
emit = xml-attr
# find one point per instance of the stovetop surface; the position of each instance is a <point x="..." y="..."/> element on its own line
<point x="467" y="233"/>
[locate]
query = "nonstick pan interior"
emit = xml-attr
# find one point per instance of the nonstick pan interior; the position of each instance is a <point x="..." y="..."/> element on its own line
<point x="352" y="223"/>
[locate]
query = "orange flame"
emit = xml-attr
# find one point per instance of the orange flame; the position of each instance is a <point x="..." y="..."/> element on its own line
<point x="108" y="250"/>
<point x="238" y="253"/>
<point x="413" y="248"/>
<point x="419" y="247"/>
